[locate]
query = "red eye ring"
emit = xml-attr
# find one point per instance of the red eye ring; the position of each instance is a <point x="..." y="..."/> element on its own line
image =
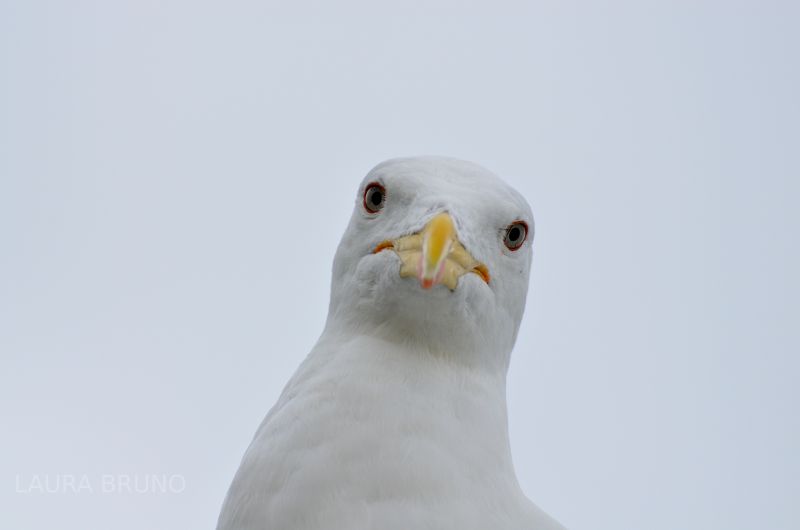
<point x="516" y="234"/>
<point x="374" y="197"/>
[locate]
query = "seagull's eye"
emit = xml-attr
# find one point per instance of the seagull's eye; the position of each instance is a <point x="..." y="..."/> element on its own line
<point x="516" y="234"/>
<point x="374" y="197"/>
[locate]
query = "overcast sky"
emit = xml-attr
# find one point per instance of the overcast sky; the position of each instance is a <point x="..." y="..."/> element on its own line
<point x="175" y="177"/>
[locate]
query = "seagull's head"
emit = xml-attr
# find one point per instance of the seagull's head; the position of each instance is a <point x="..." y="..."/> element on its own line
<point x="437" y="255"/>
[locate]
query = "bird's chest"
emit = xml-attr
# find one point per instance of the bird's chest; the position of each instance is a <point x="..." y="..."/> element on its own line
<point x="380" y="451"/>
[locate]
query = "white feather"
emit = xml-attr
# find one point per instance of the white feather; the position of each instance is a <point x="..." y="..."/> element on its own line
<point x="397" y="418"/>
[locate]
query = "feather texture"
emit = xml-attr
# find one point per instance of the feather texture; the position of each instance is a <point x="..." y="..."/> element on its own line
<point x="397" y="418"/>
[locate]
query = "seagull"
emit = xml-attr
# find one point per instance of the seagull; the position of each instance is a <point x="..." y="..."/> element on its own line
<point x="397" y="418"/>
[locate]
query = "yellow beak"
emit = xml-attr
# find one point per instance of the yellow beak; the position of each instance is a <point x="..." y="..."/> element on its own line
<point x="435" y="255"/>
<point x="437" y="240"/>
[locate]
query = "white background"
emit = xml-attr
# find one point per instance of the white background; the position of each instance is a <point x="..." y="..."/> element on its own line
<point x="175" y="176"/>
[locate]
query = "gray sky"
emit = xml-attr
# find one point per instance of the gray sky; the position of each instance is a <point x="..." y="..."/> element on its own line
<point x="175" y="176"/>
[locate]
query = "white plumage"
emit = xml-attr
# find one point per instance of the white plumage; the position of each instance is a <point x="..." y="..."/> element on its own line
<point x="397" y="417"/>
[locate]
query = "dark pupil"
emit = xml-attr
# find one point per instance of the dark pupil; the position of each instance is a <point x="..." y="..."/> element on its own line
<point x="376" y="197"/>
<point x="514" y="233"/>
